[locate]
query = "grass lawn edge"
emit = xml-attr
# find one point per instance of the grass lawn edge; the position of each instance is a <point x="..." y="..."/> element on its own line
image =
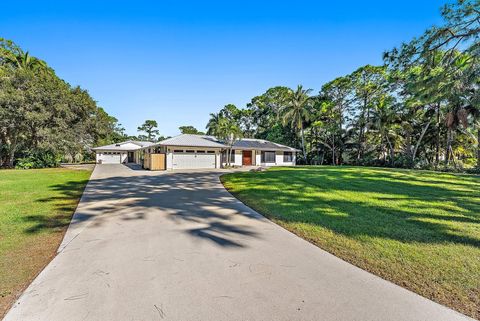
<point x="52" y="253"/>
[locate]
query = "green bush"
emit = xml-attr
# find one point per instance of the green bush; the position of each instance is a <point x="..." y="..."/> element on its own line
<point x="25" y="163"/>
<point x="38" y="160"/>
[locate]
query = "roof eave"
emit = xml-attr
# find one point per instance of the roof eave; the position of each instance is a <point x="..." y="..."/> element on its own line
<point x="183" y="145"/>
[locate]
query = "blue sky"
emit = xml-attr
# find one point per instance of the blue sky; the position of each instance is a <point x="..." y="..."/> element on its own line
<point x="178" y="61"/>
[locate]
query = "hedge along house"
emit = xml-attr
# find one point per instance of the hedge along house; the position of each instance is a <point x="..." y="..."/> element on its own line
<point x="188" y="151"/>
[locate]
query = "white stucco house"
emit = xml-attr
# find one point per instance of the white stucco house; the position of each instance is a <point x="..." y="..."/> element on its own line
<point x="188" y="151"/>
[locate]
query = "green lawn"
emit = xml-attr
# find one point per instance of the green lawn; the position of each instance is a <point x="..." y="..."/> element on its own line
<point x="35" y="209"/>
<point x="418" y="229"/>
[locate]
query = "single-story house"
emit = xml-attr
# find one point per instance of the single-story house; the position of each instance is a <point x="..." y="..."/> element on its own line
<point x="189" y="151"/>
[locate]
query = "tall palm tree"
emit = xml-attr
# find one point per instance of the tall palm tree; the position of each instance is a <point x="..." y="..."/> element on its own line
<point x="298" y="111"/>
<point x="25" y="61"/>
<point x="229" y="131"/>
<point x="384" y="121"/>
<point x="14" y="56"/>
<point x="213" y="124"/>
<point x="474" y="111"/>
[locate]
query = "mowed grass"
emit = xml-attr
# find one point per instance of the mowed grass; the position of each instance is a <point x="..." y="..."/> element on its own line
<point x="35" y="208"/>
<point x="418" y="229"/>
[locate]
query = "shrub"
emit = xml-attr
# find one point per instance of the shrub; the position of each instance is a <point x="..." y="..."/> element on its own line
<point x="42" y="159"/>
<point x="25" y="163"/>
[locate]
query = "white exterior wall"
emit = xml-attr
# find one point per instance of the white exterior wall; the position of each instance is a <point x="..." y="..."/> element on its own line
<point x="238" y="158"/>
<point x="279" y="160"/>
<point x="218" y="157"/>
<point x="258" y="158"/>
<point x="169" y="156"/>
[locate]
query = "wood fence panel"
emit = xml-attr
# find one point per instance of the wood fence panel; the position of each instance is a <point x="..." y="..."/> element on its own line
<point x="157" y="162"/>
<point x="146" y="161"/>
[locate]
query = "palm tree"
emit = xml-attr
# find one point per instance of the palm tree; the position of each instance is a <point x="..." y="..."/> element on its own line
<point x="474" y="111"/>
<point x="229" y="131"/>
<point x="14" y="56"/>
<point x="26" y="62"/>
<point x="213" y="124"/>
<point x="298" y="111"/>
<point x="384" y="120"/>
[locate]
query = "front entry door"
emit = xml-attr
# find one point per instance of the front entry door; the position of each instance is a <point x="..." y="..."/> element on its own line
<point x="130" y="157"/>
<point x="247" y="158"/>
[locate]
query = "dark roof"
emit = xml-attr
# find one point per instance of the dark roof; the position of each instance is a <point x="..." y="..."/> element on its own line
<point x="213" y="142"/>
<point x="250" y="143"/>
<point x="192" y="140"/>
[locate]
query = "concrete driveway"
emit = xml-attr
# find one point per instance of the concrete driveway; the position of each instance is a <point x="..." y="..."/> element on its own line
<point x="176" y="246"/>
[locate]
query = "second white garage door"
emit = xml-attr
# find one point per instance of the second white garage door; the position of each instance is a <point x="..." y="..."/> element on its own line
<point x="193" y="160"/>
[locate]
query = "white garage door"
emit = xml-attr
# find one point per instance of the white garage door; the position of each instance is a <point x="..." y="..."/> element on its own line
<point x="110" y="158"/>
<point x="193" y="160"/>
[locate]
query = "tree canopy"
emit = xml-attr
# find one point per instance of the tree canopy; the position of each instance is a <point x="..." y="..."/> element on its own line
<point x="150" y="128"/>
<point x="43" y="119"/>
<point x="190" y="130"/>
<point x="420" y="109"/>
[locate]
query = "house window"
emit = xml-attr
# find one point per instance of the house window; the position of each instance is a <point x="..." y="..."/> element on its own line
<point x="287" y="157"/>
<point x="232" y="156"/>
<point x="268" y="157"/>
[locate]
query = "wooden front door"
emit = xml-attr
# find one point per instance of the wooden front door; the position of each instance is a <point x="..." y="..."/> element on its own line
<point x="247" y="158"/>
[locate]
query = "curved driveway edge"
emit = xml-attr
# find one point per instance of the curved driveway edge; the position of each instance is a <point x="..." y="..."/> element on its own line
<point x="177" y="246"/>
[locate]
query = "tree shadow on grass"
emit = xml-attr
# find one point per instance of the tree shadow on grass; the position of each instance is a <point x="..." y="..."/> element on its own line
<point x="64" y="205"/>
<point x="427" y="211"/>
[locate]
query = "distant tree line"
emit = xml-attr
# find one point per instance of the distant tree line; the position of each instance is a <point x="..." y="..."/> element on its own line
<point x="43" y="119"/>
<point x="418" y="110"/>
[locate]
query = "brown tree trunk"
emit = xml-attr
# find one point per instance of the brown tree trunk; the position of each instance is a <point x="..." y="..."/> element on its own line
<point x="437" y="138"/>
<point x="391" y="151"/>
<point x="478" y="148"/>
<point x="418" y="143"/>
<point x="333" y="151"/>
<point x="448" y="148"/>
<point x="11" y="149"/>
<point x="10" y="156"/>
<point x="303" y="143"/>
<point x="360" y="137"/>
<point x="408" y="144"/>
